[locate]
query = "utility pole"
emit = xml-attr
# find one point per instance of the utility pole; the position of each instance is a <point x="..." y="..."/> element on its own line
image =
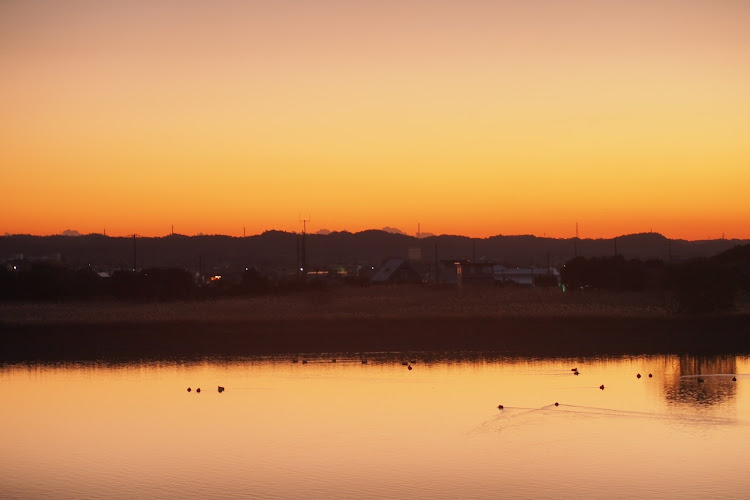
<point x="134" y="253"/>
<point x="297" y="267"/>
<point x="437" y="277"/>
<point x="669" y="251"/>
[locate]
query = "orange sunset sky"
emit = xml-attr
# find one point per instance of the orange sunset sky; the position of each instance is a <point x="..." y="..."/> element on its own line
<point x="471" y="117"/>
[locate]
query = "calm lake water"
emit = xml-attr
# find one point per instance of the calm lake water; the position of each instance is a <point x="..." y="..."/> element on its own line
<point x="378" y="430"/>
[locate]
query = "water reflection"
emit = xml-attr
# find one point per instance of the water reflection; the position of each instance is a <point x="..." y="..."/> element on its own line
<point x="349" y="429"/>
<point x="701" y="380"/>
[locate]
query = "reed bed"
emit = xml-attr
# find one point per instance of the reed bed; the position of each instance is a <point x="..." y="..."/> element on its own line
<point x="395" y="302"/>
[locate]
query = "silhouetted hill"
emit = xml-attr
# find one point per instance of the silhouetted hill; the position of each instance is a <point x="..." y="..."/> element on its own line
<point x="279" y="250"/>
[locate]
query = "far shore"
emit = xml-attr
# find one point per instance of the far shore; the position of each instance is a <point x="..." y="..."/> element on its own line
<point x="512" y="321"/>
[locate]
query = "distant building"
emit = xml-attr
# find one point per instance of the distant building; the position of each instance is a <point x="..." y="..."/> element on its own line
<point x="524" y="276"/>
<point x="462" y="271"/>
<point x="396" y="271"/>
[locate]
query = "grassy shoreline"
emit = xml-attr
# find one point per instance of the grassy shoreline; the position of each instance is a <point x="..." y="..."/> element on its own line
<point x="528" y="322"/>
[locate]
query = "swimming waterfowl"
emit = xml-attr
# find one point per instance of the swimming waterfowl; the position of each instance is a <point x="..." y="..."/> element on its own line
<point x="649" y="375"/>
<point x="734" y="379"/>
<point x="409" y="367"/>
<point x="500" y="407"/>
<point x="198" y="389"/>
<point x="557" y="404"/>
<point x="700" y="380"/>
<point x="639" y="375"/>
<point x="601" y="387"/>
<point x="221" y="389"/>
<point x="189" y="389"/>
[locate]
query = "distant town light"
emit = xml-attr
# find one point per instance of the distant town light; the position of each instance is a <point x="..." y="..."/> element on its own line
<point x="216" y="278"/>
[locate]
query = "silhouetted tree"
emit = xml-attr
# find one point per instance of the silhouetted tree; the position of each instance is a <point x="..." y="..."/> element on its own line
<point x="254" y="282"/>
<point x="607" y="273"/>
<point x="703" y="286"/>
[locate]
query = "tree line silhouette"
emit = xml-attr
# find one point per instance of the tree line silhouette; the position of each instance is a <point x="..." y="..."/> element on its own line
<point x="45" y="281"/>
<point x="701" y="285"/>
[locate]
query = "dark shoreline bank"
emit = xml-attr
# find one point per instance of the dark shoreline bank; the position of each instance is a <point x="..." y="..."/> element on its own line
<point x="543" y="336"/>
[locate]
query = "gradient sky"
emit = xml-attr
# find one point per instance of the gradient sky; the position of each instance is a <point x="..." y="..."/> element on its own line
<point x="470" y="117"/>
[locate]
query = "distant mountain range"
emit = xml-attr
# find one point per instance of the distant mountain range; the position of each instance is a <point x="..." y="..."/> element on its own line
<point x="280" y="250"/>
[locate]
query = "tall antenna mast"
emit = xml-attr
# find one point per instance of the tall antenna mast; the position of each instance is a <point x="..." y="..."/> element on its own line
<point x="304" y="223"/>
<point x="304" y="250"/>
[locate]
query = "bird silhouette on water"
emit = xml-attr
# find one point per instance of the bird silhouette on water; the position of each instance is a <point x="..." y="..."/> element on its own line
<point x="221" y="389"/>
<point x="700" y="380"/>
<point x="638" y="376"/>
<point x="189" y="389"/>
<point x="734" y="379"/>
<point x="601" y="387"/>
<point x="198" y="389"/>
<point x="409" y="367"/>
<point x="499" y="407"/>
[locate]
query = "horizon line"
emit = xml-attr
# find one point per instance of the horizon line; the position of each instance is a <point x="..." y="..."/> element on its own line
<point x="422" y="236"/>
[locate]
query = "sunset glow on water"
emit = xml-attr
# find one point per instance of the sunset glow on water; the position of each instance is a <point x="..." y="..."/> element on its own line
<point x="377" y="430"/>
